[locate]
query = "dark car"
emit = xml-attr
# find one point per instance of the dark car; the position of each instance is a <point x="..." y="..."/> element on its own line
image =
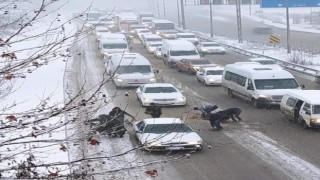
<point x="263" y="30"/>
<point x="191" y="66"/>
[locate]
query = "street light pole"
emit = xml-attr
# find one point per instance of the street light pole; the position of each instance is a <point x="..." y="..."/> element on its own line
<point x="211" y="23"/>
<point x="158" y="8"/>
<point x="182" y="15"/>
<point x="164" y="9"/>
<point x="238" y="7"/>
<point x="179" y="23"/>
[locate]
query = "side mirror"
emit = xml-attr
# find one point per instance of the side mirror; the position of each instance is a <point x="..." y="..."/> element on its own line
<point x="165" y="55"/>
<point x="308" y="112"/>
<point x="202" y="54"/>
<point x="156" y="71"/>
<point x="303" y="86"/>
<point x="250" y="88"/>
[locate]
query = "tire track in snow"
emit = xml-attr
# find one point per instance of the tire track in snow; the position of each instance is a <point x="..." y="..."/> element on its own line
<point x="270" y="152"/>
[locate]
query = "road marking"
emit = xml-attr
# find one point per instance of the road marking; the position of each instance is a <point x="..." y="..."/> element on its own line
<point x="275" y="155"/>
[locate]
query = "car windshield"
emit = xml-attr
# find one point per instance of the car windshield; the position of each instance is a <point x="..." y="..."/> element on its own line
<point x="155" y="45"/>
<point x="160" y="90"/>
<point x="265" y="62"/>
<point x="198" y="62"/>
<point x="214" y="72"/>
<point x="183" y="53"/>
<point x="115" y="46"/>
<point x="133" y="69"/>
<point x="170" y="32"/>
<point x="145" y="31"/>
<point x="210" y="45"/>
<point x="187" y="36"/>
<point x="103" y="30"/>
<point x="163" y="26"/>
<point x="316" y="109"/>
<point x="263" y="84"/>
<point x="167" y="128"/>
<point x="153" y="39"/>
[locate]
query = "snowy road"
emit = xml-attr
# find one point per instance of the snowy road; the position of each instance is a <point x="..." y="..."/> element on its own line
<point x="264" y="146"/>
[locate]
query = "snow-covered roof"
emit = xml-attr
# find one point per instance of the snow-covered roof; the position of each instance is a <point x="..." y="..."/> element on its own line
<point x="163" y="121"/>
<point x="310" y="96"/>
<point x="159" y="85"/>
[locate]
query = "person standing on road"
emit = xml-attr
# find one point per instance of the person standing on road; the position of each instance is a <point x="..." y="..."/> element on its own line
<point x="154" y="110"/>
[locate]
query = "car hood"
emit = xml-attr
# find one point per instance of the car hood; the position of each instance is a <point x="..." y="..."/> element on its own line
<point x="162" y="95"/>
<point x="276" y="92"/>
<point x="134" y="76"/>
<point x="185" y="57"/>
<point x="213" y="76"/>
<point x="173" y="137"/>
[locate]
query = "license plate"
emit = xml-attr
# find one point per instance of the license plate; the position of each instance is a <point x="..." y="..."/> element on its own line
<point x="174" y="148"/>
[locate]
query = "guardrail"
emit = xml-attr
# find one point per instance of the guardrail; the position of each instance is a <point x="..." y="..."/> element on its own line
<point x="292" y="66"/>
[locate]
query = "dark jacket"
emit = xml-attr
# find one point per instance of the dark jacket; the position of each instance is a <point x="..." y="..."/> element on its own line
<point x="155" y="111"/>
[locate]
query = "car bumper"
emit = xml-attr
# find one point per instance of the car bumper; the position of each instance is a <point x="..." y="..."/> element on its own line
<point x="315" y="125"/>
<point x="132" y="83"/>
<point x="165" y="103"/>
<point x="175" y="147"/>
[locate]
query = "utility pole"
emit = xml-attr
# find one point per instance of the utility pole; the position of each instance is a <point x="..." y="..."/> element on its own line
<point x="182" y="15"/>
<point x="238" y="7"/>
<point x="158" y="8"/>
<point x="179" y="23"/>
<point x="211" y="23"/>
<point x="164" y="9"/>
<point x="288" y="30"/>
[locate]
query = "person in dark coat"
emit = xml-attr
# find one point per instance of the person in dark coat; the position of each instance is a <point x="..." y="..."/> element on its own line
<point x="206" y="110"/>
<point x="216" y="118"/>
<point x="154" y="110"/>
<point x="117" y="120"/>
<point x="233" y="113"/>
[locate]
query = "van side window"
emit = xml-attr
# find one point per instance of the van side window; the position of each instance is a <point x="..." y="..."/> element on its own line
<point x="228" y="75"/>
<point x="306" y="107"/>
<point x="242" y="80"/>
<point x="291" y="102"/>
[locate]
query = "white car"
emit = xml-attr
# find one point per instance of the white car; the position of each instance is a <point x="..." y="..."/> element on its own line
<point x="266" y="61"/>
<point x="157" y="52"/>
<point x="211" y="48"/>
<point x="210" y="75"/>
<point x="188" y="37"/>
<point x="163" y="94"/>
<point x="151" y="46"/>
<point x="166" y="134"/>
<point x="139" y="32"/>
<point x="100" y="31"/>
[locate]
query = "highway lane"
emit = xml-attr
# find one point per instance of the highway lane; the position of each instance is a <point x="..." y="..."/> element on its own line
<point x="197" y="18"/>
<point x="223" y="161"/>
<point x="270" y="122"/>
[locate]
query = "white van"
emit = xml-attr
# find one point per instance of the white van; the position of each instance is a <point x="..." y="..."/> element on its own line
<point x="131" y="70"/>
<point x="302" y="107"/>
<point x="150" y="38"/>
<point x="113" y="43"/>
<point x="174" y="51"/>
<point x="259" y="84"/>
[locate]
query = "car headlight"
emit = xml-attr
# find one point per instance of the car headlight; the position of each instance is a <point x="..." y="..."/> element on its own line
<point x="204" y="49"/>
<point x="315" y="120"/>
<point x="157" y="32"/>
<point x="196" y="68"/>
<point x="264" y="96"/>
<point x="119" y="80"/>
<point x="152" y="79"/>
<point x="181" y="99"/>
<point x="196" y="142"/>
<point x="146" y="100"/>
<point x="154" y="143"/>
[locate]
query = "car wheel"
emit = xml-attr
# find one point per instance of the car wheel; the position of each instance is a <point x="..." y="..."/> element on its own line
<point x="256" y="103"/>
<point x="204" y="83"/>
<point x="304" y="124"/>
<point x="178" y="69"/>
<point x="230" y="93"/>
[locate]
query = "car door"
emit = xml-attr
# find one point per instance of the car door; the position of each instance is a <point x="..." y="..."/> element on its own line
<point x="305" y="113"/>
<point x="202" y="74"/>
<point x="140" y="92"/>
<point x="138" y="128"/>
<point x="288" y="108"/>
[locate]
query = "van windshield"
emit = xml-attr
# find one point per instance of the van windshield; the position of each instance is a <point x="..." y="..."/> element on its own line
<point x="316" y="109"/>
<point x="187" y="36"/>
<point x="115" y="46"/>
<point x="183" y="53"/>
<point x="214" y="72"/>
<point x="263" y="84"/>
<point x="133" y="69"/>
